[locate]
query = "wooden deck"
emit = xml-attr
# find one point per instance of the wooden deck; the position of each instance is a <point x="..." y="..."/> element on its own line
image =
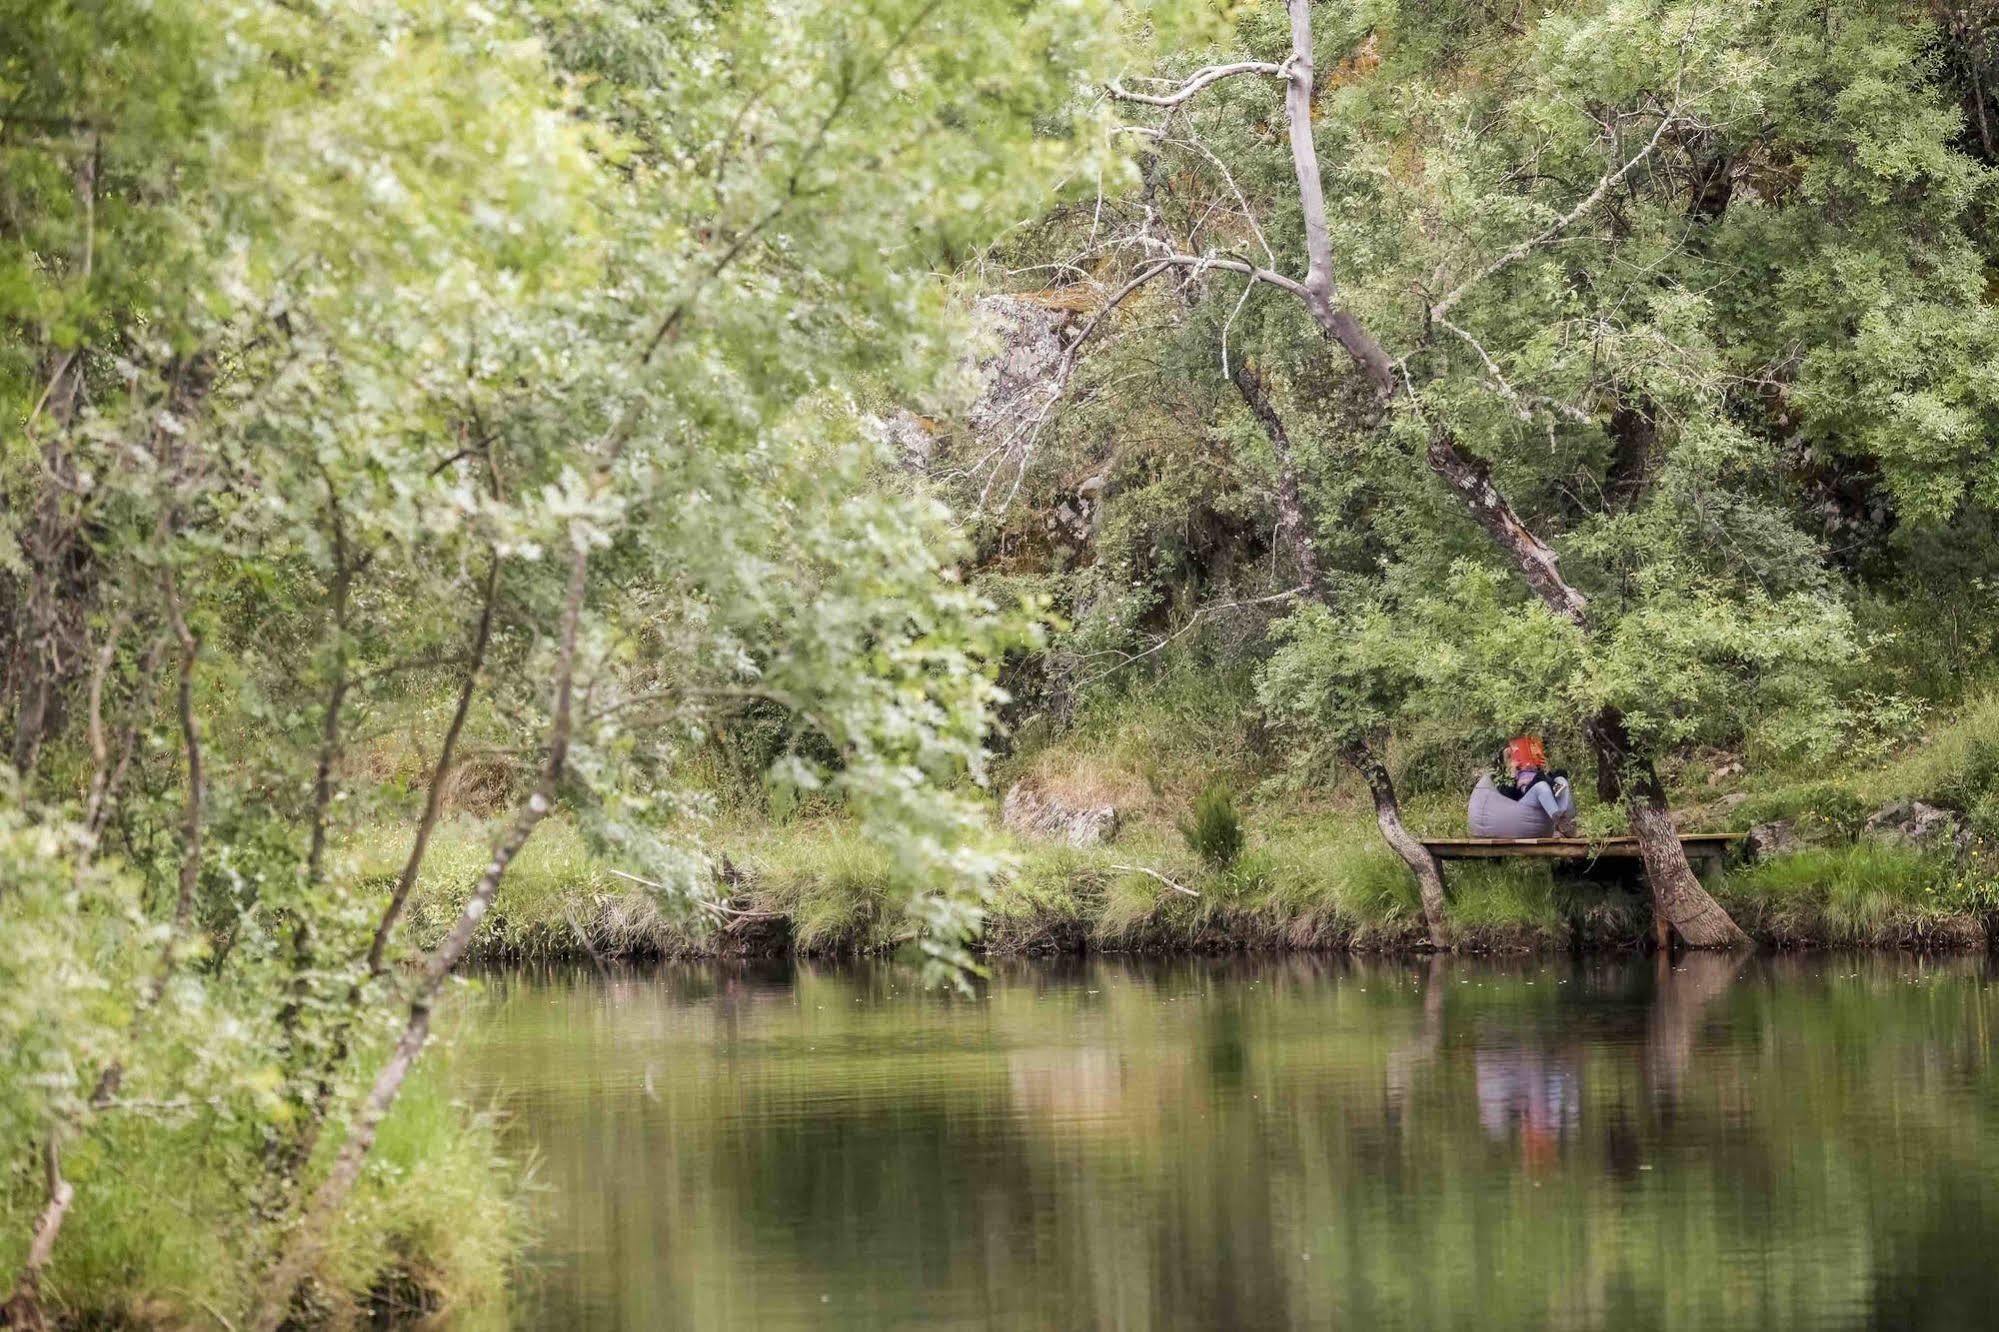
<point x="1705" y="850"/>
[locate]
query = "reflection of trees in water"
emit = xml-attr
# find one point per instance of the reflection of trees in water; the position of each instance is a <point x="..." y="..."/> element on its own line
<point x="1258" y="1145"/>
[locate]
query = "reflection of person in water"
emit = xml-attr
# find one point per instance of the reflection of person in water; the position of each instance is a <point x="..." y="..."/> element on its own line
<point x="1533" y="1090"/>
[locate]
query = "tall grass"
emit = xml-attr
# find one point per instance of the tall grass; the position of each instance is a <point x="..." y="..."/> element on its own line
<point x="158" y="1235"/>
<point x="1861" y="894"/>
<point x="1213" y="830"/>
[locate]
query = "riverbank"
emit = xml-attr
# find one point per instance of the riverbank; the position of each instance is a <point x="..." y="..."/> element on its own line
<point x="817" y="889"/>
<point x="1896" y="853"/>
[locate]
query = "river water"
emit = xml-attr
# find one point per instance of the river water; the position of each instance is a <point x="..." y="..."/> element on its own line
<point x="1293" y="1142"/>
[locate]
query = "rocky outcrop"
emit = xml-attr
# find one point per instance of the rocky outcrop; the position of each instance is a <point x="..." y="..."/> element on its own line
<point x="1015" y="371"/>
<point x="1028" y="812"/>
<point x="1778" y="837"/>
<point x="1019" y="377"/>
<point x="1916" y="824"/>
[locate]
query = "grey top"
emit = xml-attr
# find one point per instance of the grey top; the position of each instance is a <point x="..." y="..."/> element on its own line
<point x="1493" y="814"/>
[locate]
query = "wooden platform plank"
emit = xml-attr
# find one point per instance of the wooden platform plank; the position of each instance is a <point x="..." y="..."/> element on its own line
<point x="1569" y="848"/>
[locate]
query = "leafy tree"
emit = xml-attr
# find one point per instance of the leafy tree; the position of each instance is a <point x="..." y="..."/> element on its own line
<point x="1623" y="278"/>
<point x="510" y="357"/>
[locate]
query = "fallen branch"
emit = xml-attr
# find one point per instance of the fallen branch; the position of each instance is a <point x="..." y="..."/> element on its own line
<point x="1155" y="874"/>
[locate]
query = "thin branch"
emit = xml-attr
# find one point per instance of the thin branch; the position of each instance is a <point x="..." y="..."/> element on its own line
<point x="196" y="791"/>
<point x="100" y="752"/>
<point x="128" y="740"/>
<point x="433" y="800"/>
<point x="1523" y="404"/>
<point x="1188" y="627"/>
<point x="23" y="1308"/>
<point x="721" y="909"/>
<point x="302" y="1245"/>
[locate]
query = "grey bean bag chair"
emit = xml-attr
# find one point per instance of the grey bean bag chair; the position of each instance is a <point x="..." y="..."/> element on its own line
<point x="1492" y="814"/>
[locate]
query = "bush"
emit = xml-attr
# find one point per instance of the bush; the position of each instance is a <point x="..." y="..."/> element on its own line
<point x="1214" y="833"/>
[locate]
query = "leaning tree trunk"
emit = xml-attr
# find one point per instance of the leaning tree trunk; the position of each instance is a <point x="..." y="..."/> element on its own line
<point x="1679" y="902"/>
<point x="1294" y="519"/>
<point x="1388" y="814"/>
<point x="1677" y="893"/>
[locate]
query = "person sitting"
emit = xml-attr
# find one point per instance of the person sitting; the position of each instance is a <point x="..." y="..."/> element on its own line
<point x="1526" y="803"/>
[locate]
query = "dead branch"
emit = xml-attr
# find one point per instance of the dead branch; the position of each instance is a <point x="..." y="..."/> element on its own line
<point x="1194" y="83"/>
<point x="1155" y="874"/>
<point x="1520" y="251"/>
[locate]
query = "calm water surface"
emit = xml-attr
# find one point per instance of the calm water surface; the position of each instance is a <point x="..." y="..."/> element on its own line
<point x="1287" y="1143"/>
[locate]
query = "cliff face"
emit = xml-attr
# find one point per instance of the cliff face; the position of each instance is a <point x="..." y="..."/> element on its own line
<point x="1016" y="347"/>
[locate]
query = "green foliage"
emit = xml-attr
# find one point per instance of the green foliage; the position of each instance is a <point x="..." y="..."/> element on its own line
<point x="1736" y="394"/>
<point x="1957" y="766"/>
<point x="1862" y="894"/>
<point x="333" y="333"/>
<point x="1213" y="829"/>
<point x="1825" y="808"/>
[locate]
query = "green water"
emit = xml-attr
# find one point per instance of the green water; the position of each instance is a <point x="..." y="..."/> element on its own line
<point x="1284" y="1143"/>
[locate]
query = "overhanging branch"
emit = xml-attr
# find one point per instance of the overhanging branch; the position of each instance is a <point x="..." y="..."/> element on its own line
<point x="1197" y="81"/>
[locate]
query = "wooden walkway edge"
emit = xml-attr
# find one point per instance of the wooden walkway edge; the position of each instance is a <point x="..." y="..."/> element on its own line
<point x="1707" y="851"/>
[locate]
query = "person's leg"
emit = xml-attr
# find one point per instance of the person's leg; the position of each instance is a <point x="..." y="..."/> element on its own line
<point x="1564" y="799"/>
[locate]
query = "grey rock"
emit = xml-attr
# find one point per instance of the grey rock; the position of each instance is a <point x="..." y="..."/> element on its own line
<point x="1020" y="376"/>
<point x="1776" y="838"/>
<point x="909" y="435"/>
<point x="1031" y="813"/>
<point x="1923" y="826"/>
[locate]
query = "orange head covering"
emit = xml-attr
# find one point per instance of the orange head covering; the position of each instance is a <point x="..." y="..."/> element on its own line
<point x="1525" y="751"/>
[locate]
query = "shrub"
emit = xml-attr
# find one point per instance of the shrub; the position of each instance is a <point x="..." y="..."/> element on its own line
<point x="1214" y="832"/>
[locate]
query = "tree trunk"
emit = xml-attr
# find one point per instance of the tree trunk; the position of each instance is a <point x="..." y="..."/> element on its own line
<point x="1294" y="524"/>
<point x="1677" y="896"/>
<point x="1388" y="814"/>
<point x="23" y="1308"/>
<point x="1678" y="899"/>
<point x="301" y="1248"/>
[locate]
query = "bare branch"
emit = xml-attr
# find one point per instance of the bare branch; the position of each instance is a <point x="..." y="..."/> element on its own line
<point x="1320" y="291"/>
<point x="100" y="755"/>
<point x="196" y="790"/>
<point x="1194" y="84"/>
<point x="128" y="740"/>
<point x="1155" y="874"/>
<point x="23" y="1308"/>
<point x="1186" y="628"/>
<point x="1523" y="403"/>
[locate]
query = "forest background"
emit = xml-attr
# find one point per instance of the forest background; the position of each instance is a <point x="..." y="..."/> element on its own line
<point x="623" y="479"/>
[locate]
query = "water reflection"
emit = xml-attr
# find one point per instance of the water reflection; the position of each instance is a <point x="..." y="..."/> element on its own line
<point x="1293" y="1142"/>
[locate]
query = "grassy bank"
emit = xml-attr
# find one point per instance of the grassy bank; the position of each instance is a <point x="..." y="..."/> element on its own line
<point x="158" y="1236"/>
<point x="1312" y="873"/>
<point x="817" y="889"/>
